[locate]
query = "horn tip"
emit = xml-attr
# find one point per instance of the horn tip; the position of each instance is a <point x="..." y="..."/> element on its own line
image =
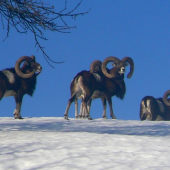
<point x="33" y="57"/>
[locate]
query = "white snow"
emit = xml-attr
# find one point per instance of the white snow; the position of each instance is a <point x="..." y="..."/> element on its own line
<point x="50" y="143"/>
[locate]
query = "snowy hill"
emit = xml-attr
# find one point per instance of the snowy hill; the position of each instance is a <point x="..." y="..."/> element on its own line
<point x="54" y="143"/>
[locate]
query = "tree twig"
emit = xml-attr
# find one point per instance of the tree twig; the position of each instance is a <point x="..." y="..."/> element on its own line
<point x="36" y="17"/>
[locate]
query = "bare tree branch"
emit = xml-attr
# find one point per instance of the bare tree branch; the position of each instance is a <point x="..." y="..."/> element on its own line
<point x="37" y="17"/>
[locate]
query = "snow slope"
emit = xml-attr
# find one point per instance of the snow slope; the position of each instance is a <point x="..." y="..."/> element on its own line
<point x="50" y="143"/>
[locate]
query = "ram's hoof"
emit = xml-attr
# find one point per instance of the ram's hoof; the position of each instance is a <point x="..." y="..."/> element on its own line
<point x="104" y="117"/>
<point x="18" y="117"/>
<point x="89" y="118"/>
<point x="113" y="117"/>
<point x="66" y="117"/>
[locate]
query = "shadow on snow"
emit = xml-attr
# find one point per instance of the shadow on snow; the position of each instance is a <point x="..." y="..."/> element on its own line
<point x="100" y="126"/>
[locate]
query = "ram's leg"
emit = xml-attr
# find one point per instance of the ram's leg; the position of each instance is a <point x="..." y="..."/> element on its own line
<point x="68" y="106"/>
<point x="18" y="100"/>
<point x="89" y="106"/>
<point x="76" y="109"/>
<point x="86" y="110"/>
<point x="81" y="110"/>
<point x="110" y="106"/>
<point x="104" y="107"/>
<point x="2" y="89"/>
<point x="86" y="95"/>
<point x="2" y="92"/>
<point x="73" y="98"/>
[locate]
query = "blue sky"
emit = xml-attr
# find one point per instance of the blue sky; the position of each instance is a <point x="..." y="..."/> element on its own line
<point x="138" y="29"/>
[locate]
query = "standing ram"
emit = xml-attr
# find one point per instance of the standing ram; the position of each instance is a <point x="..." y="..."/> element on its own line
<point x="155" y="109"/>
<point x="95" y="68"/>
<point x="19" y="81"/>
<point x="88" y="85"/>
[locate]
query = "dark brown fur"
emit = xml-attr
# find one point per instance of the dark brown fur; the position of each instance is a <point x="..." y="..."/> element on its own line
<point x="150" y="109"/>
<point x="20" y="86"/>
<point x="88" y="84"/>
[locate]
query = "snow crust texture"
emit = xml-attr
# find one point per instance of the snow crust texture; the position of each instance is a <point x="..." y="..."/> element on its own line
<point x="54" y="143"/>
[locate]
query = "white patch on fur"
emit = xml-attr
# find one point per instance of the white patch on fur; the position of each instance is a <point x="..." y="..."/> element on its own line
<point x="161" y="106"/>
<point x="122" y="70"/>
<point x="9" y="93"/>
<point x="79" y="92"/>
<point x="145" y="109"/>
<point x="9" y="75"/>
<point x="97" y="77"/>
<point x="16" y="113"/>
<point x="147" y="119"/>
<point x="148" y="106"/>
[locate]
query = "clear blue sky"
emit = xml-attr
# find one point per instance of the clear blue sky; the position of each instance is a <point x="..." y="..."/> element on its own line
<point x="139" y="29"/>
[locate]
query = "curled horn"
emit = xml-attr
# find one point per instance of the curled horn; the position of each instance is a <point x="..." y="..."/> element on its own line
<point x="95" y="66"/>
<point x="17" y="67"/>
<point x="104" y="64"/>
<point x="131" y="63"/>
<point x="33" y="57"/>
<point x="165" y="97"/>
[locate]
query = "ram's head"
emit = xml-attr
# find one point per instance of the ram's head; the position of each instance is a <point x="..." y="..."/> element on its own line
<point x="30" y="63"/>
<point x="118" y="66"/>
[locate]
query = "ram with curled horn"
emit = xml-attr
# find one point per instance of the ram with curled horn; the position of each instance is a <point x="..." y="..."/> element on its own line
<point x="114" y="83"/>
<point x="155" y="109"/>
<point x="103" y="84"/>
<point x="76" y="89"/>
<point x="18" y="81"/>
<point x="165" y="97"/>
